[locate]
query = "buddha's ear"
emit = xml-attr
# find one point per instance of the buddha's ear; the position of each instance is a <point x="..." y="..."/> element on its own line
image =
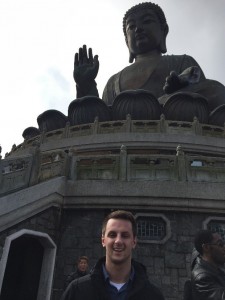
<point x="162" y="45"/>
<point x="131" y="57"/>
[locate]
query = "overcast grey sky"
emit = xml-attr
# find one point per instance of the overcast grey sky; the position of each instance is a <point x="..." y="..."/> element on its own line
<point x="39" y="39"/>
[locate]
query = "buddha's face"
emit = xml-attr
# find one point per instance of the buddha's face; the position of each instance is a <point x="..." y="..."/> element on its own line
<point x="144" y="32"/>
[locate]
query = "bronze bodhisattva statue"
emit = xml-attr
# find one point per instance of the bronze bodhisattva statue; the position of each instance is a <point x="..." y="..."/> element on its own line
<point x="145" y="29"/>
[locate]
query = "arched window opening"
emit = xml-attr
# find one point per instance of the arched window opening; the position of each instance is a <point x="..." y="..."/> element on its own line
<point x="23" y="269"/>
<point x="26" y="266"/>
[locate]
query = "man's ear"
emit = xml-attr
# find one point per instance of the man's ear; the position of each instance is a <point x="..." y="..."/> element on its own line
<point x="135" y="242"/>
<point x="206" y="248"/>
<point x="103" y="241"/>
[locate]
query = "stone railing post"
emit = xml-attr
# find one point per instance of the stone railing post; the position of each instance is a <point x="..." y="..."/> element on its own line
<point x="128" y="123"/>
<point x="66" y="130"/>
<point x="95" y="126"/>
<point x="35" y="166"/>
<point x="123" y="163"/>
<point x="181" y="164"/>
<point x="73" y="165"/>
<point x="196" y="126"/>
<point x="163" y="124"/>
<point x="1" y="170"/>
<point x="42" y="135"/>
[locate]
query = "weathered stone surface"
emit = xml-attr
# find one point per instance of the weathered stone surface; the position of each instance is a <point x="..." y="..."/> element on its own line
<point x="173" y="260"/>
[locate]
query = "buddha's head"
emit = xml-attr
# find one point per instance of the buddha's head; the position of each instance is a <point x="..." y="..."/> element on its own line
<point x="145" y="29"/>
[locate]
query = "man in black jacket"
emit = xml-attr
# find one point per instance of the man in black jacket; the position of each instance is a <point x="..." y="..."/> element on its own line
<point x="208" y="276"/>
<point x="82" y="268"/>
<point x="116" y="276"/>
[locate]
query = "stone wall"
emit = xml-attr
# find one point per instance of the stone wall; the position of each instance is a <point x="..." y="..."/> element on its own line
<point x="46" y="222"/>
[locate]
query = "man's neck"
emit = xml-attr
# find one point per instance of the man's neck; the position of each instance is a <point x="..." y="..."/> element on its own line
<point x="118" y="273"/>
<point x="210" y="261"/>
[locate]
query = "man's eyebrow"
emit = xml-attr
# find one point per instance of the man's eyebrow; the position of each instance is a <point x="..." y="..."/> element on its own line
<point x="114" y="231"/>
<point x="125" y="232"/>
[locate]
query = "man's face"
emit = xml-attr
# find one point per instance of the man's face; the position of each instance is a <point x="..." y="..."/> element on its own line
<point x="217" y="250"/>
<point x="82" y="265"/>
<point x="144" y="31"/>
<point x="119" y="241"/>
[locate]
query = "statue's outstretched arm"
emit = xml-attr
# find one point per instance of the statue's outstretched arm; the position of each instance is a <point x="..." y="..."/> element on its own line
<point x="85" y="71"/>
<point x="175" y="82"/>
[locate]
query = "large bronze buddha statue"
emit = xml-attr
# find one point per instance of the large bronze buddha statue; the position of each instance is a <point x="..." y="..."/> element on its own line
<point x="145" y="29"/>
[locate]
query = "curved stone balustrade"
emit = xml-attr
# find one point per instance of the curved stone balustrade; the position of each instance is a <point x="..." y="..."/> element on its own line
<point x="123" y="126"/>
<point x="118" y="163"/>
<point x="127" y="150"/>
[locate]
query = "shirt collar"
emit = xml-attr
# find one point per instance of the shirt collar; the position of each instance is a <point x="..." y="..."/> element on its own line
<point x="106" y="274"/>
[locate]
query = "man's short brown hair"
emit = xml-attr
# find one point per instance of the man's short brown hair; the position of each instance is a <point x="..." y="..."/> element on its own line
<point x="202" y="237"/>
<point x="82" y="257"/>
<point x="122" y="215"/>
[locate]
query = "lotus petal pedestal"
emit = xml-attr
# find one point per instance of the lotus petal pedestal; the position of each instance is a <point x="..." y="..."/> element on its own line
<point x="184" y="106"/>
<point x="51" y="120"/>
<point x="217" y="116"/>
<point x="85" y="110"/>
<point x="140" y="104"/>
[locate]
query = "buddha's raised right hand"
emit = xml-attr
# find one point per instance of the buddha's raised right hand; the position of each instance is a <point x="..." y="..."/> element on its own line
<point x="85" y="71"/>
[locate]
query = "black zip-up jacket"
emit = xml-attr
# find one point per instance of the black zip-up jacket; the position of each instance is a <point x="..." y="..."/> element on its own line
<point x="208" y="282"/>
<point x="74" y="275"/>
<point x="93" y="286"/>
